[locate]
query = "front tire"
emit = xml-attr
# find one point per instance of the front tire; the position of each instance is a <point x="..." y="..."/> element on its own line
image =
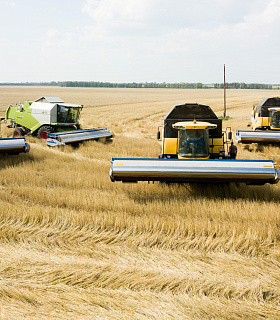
<point x="43" y="131"/>
<point x="18" y="132"/>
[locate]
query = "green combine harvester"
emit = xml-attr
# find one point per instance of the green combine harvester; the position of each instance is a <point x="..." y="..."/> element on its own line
<point x="53" y="120"/>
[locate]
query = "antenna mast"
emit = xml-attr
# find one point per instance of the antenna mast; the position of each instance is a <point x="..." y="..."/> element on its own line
<point x="225" y="91"/>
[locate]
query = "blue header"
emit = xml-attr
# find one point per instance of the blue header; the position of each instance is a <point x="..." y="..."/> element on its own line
<point x="205" y="160"/>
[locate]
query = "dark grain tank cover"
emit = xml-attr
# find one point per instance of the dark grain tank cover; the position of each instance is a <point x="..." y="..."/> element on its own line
<point x="262" y="107"/>
<point x="189" y="112"/>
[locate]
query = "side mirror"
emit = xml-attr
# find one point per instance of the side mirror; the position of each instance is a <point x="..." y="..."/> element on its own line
<point x="230" y="135"/>
<point x="158" y="135"/>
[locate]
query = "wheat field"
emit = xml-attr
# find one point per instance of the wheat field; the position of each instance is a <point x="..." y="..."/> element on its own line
<point x="74" y="245"/>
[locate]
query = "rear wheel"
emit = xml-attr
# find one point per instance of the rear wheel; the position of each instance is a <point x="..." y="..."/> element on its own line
<point x="18" y="132"/>
<point x="43" y="131"/>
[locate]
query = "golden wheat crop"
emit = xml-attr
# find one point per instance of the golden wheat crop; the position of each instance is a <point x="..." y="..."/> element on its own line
<point x="74" y="245"/>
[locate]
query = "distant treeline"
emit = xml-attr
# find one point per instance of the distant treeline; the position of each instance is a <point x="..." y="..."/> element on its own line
<point x="180" y="85"/>
<point x="47" y="84"/>
<point x="242" y="85"/>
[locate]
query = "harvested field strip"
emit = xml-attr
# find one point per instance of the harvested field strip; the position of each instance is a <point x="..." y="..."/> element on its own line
<point x="74" y="245"/>
<point x="141" y="231"/>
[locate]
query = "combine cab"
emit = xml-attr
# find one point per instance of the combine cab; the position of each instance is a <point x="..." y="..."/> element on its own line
<point x="265" y="122"/>
<point x="194" y="149"/>
<point x="51" y="117"/>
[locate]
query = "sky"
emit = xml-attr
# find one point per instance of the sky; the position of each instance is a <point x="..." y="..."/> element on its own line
<point x="140" y="40"/>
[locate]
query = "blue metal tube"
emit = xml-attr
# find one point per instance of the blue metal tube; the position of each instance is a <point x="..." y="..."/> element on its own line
<point x="193" y="170"/>
<point x="257" y="136"/>
<point x="13" y="146"/>
<point x="75" y="136"/>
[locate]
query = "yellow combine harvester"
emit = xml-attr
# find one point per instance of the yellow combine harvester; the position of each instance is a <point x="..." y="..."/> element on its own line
<point x="194" y="149"/>
<point x="265" y="122"/>
<point x="192" y="130"/>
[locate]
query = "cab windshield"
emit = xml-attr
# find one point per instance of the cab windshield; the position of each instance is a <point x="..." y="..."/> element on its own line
<point x="275" y="119"/>
<point x="67" y="114"/>
<point x="193" y="143"/>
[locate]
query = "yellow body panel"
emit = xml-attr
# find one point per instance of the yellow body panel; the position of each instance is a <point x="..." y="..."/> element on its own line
<point x="169" y="146"/>
<point x="215" y="144"/>
<point x="266" y="121"/>
<point x="259" y="122"/>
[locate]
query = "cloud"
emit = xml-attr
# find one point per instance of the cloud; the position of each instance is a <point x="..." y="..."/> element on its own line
<point x="95" y="34"/>
<point x="58" y="40"/>
<point x="160" y="25"/>
<point x="147" y="40"/>
<point x="181" y="25"/>
<point x="268" y="20"/>
<point x="117" y="12"/>
<point x="52" y="33"/>
<point x="161" y="15"/>
<point x="182" y="35"/>
<point x="11" y="4"/>
<point x="255" y="34"/>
